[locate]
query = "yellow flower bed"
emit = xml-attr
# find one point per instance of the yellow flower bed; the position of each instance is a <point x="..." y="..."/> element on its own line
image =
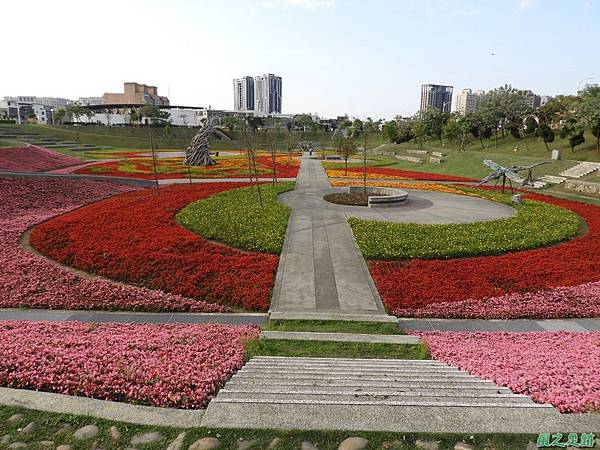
<point x="340" y="173"/>
<point x="421" y="186"/>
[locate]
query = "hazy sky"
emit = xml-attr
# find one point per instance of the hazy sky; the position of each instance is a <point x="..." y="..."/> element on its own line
<point x="364" y="58"/>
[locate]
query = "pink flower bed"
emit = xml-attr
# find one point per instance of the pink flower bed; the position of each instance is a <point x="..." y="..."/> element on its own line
<point x="561" y="368"/>
<point x="33" y="159"/>
<point x="179" y="366"/>
<point x="573" y="301"/>
<point x="28" y="280"/>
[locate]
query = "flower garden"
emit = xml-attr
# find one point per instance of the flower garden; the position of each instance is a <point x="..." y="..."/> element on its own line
<point x="33" y="159"/>
<point x="226" y="167"/>
<point x="560" y="368"/>
<point x="179" y="366"/>
<point x="335" y="170"/>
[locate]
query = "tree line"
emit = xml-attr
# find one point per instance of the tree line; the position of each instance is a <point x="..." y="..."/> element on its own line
<point x="505" y="111"/>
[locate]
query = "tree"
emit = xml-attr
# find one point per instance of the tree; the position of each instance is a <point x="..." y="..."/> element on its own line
<point x="356" y="129"/>
<point x="505" y="108"/>
<point x="75" y="110"/>
<point x="108" y="114"/>
<point x="573" y="131"/>
<point x="59" y="115"/>
<point x="434" y="121"/>
<point x="546" y="133"/>
<point x="346" y="148"/>
<point x="587" y="110"/>
<point x="306" y="122"/>
<point x="88" y="113"/>
<point x="168" y="131"/>
<point x="153" y="114"/>
<point x="419" y="130"/>
<point x="231" y="122"/>
<point x="390" y="131"/>
<point x="457" y="129"/>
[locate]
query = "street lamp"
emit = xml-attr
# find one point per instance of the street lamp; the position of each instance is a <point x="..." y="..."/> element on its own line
<point x="584" y="79"/>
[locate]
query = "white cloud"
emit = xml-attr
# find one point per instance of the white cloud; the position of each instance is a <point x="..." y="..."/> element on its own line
<point x="310" y="5"/>
<point x="524" y="4"/>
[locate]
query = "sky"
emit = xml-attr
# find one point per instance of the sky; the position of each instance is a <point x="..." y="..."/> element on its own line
<point x="356" y="57"/>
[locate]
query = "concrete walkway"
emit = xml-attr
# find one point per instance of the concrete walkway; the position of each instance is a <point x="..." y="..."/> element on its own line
<point x="516" y="325"/>
<point x="321" y="269"/>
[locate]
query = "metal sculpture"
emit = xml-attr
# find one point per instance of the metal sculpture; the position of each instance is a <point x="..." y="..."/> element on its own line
<point x="510" y="174"/>
<point x="198" y="153"/>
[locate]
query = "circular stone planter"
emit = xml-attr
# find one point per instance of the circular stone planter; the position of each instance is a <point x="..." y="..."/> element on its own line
<point x="381" y="196"/>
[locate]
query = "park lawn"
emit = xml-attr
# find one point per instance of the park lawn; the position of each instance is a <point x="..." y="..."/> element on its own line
<point x="333" y="326"/>
<point x="326" y="349"/>
<point x="237" y="218"/>
<point x="289" y="439"/>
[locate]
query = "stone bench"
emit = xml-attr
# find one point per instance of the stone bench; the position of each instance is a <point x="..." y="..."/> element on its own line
<point x="408" y="158"/>
<point x="381" y="196"/>
<point x="417" y="152"/>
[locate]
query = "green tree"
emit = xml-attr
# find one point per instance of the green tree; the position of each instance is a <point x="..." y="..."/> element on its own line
<point x="504" y="108"/>
<point x="587" y="110"/>
<point x="59" y="115"/>
<point x="434" y="121"/>
<point x="233" y="123"/>
<point x="346" y="147"/>
<point x="419" y="130"/>
<point x="546" y="133"/>
<point x="390" y="131"/>
<point x="153" y="114"/>
<point x="457" y="129"/>
<point x="306" y="122"/>
<point x="573" y="131"/>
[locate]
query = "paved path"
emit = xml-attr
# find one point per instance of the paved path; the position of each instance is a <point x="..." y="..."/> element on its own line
<point x="131" y="317"/>
<point x="517" y="325"/>
<point x="321" y="269"/>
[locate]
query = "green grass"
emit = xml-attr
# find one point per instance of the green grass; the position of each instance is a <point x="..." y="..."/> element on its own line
<point x="7" y="144"/>
<point x="324" y="349"/>
<point x="333" y="326"/>
<point x="236" y="218"/>
<point x="536" y="224"/>
<point x="290" y="439"/>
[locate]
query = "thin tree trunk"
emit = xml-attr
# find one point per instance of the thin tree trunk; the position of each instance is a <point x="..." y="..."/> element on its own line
<point x="154" y="160"/>
<point x="365" y="167"/>
<point x="546" y="144"/>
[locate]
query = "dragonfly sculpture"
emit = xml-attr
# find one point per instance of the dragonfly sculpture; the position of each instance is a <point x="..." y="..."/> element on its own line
<point x="510" y="173"/>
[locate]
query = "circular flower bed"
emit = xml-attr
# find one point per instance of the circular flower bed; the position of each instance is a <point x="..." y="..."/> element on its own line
<point x="512" y="285"/>
<point x="348" y="198"/>
<point x="135" y="239"/>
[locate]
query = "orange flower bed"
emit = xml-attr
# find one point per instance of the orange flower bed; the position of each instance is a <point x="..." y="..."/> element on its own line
<point x="400" y="185"/>
<point x="341" y="173"/>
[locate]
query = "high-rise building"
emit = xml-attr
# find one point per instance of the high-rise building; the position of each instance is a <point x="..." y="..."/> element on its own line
<point x="533" y="100"/>
<point x="267" y="94"/>
<point x="243" y="94"/>
<point x="436" y="96"/>
<point x="468" y="101"/>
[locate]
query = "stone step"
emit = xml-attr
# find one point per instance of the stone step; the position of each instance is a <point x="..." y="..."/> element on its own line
<point x="478" y="403"/>
<point x="459" y="389"/>
<point x="361" y="398"/>
<point x="353" y="369"/>
<point x="274" y="371"/>
<point x="291" y="378"/>
<point x="342" y="337"/>
<point x="368" y="384"/>
<point x="341" y="366"/>
<point x="304" y="359"/>
<point x="321" y="315"/>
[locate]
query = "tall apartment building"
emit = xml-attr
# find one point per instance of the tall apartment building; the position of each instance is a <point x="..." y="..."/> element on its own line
<point x="436" y="96"/>
<point x="243" y="94"/>
<point x="533" y="100"/>
<point x="261" y="94"/>
<point x="136" y="94"/>
<point x="468" y="101"/>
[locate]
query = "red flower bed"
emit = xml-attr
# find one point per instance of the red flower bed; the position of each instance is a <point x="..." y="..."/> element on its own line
<point x="409" y="285"/>
<point x="134" y="238"/>
<point x="33" y="159"/>
<point x="28" y="280"/>
<point x="409" y="174"/>
<point x="180" y="366"/>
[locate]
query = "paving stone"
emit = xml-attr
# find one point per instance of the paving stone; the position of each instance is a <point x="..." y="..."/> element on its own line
<point x="463" y="446"/>
<point x="531" y="446"/>
<point x="308" y="446"/>
<point x="46" y="443"/>
<point x="115" y="434"/>
<point x="243" y="444"/>
<point x="64" y="447"/>
<point x="63" y="429"/>
<point x="426" y="445"/>
<point x="353" y="443"/>
<point x="15" y="419"/>
<point x="177" y="444"/>
<point x="86" y="432"/>
<point x="5" y="439"/>
<point x="274" y="443"/>
<point x="30" y="428"/>
<point x="146" y="438"/>
<point x="16" y="445"/>
<point x="207" y="443"/>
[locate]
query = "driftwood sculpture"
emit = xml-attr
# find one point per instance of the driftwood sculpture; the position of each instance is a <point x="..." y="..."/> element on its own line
<point x="198" y="153"/>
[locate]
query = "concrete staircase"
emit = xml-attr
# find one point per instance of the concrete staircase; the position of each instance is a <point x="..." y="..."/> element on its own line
<point x="369" y="394"/>
<point x="551" y="179"/>
<point x="580" y="170"/>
